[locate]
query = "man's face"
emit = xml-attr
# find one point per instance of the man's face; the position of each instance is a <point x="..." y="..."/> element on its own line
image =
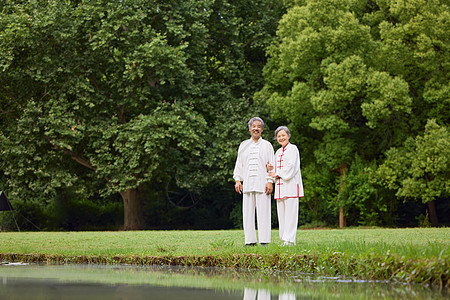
<point x="256" y="129"/>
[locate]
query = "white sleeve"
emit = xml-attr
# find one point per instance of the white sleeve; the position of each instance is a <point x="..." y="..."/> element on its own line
<point x="238" y="168"/>
<point x="271" y="160"/>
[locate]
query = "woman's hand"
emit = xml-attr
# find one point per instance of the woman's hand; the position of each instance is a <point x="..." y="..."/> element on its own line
<point x="272" y="174"/>
<point x="269" y="167"/>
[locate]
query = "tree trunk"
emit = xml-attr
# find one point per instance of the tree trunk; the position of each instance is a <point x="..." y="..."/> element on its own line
<point x="342" y="222"/>
<point x="132" y="209"/>
<point x="341" y="170"/>
<point x="433" y="214"/>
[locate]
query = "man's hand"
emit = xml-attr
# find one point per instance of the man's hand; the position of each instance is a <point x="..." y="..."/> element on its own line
<point x="269" y="188"/>
<point x="238" y="186"/>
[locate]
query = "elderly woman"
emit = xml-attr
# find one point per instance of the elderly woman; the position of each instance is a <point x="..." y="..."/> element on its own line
<point x="288" y="185"/>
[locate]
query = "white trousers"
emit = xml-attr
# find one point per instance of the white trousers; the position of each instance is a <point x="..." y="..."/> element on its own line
<point x="287" y="209"/>
<point x="260" y="202"/>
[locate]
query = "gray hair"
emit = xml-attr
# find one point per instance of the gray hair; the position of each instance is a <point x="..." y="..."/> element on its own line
<point x="255" y="119"/>
<point x="282" y="128"/>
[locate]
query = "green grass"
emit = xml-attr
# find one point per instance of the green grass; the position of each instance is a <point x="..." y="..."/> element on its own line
<point x="411" y="243"/>
<point x="406" y="255"/>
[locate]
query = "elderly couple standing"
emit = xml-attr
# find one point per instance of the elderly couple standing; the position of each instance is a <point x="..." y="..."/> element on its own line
<point x="255" y="168"/>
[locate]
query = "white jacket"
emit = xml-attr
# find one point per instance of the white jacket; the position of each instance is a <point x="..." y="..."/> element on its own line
<point x="287" y="169"/>
<point x="251" y="165"/>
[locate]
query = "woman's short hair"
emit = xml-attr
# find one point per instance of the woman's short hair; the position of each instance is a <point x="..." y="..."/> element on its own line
<point x="282" y="128"/>
<point x="255" y="119"/>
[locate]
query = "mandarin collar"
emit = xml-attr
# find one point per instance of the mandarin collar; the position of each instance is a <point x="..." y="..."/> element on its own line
<point x="259" y="140"/>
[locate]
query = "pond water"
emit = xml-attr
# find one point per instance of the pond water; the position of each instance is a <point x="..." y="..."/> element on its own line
<point x="36" y="281"/>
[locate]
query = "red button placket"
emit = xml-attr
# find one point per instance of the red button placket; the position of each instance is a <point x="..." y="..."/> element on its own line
<point x="279" y="168"/>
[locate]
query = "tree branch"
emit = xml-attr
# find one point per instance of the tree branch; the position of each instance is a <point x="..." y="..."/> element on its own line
<point x="221" y="65"/>
<point x="121" y="114"/>
<point x="93" y="81"/>
<point x="11" y="95"/>
<point x="81" y="160"/>
<point x="6" y="112"/>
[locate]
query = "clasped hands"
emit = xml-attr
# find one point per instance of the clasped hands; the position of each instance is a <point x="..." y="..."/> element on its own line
<point x="269" y="168"/>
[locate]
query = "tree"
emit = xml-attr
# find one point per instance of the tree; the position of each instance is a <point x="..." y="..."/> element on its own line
<point x="358" y="77"/>
<point x="419" y="170"/>
<point x="123" y="92"/>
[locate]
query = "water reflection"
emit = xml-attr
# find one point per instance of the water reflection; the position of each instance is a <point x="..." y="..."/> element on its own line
<point x="162" y="282"/>
<point x="54" y="289"/>
<point x="252" y="294"/>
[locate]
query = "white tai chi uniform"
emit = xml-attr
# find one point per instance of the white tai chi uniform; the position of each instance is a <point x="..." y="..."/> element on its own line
<point x="288" y="189"/>
<point x="251" y="169"/>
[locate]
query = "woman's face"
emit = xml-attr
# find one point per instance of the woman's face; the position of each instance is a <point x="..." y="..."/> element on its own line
<point x="282" y="138"/>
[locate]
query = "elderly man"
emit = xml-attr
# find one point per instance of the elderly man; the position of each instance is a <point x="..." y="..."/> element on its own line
<point x="253" y="156"/>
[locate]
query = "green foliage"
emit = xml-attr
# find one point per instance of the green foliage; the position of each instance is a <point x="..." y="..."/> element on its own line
<point x="103" y="97"/>
<point x="356" y="79"/>
<point x="100" y="97"/>
<point x="69" y="213"/>
<point x="314" y="206"/>
<point x="423" y="221"/>
<point x="236" y="215"/>
<point x="360" y="196"/>
<point x="420" y="168"/>
<point x="66" y="211"/>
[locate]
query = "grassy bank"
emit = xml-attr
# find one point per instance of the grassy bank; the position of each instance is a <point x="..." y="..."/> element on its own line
<point x="404" y="255"/>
